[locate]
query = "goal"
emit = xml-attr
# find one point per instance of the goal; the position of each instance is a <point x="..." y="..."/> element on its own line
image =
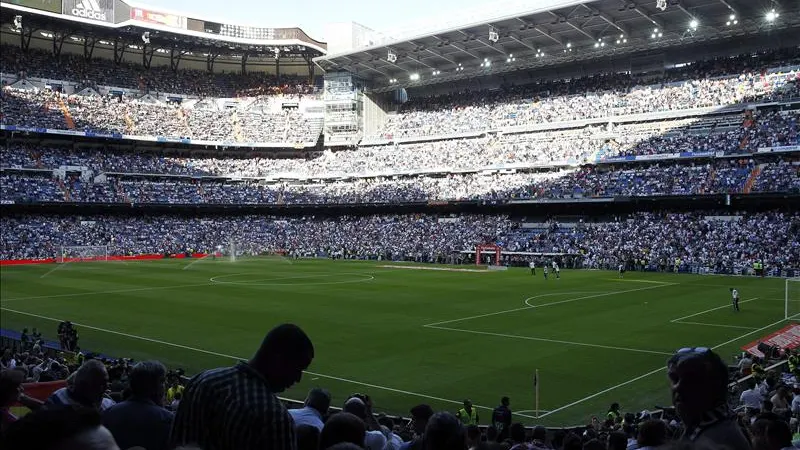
<point x="792" y="299"/>
<point x="491" y="249"/>
<point x="82" y="253"/>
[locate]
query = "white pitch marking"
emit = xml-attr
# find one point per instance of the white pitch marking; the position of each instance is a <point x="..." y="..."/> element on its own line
<point x="660" y="369"/>
<point x="555" y="341"/>
<point x="222" y="355"/>
<point x="712" y="309"/>
<point x="549" y="304"/>
<point x="58" y="266"/>
<point x="115" y="291"/>
<point x="715" y="325"/>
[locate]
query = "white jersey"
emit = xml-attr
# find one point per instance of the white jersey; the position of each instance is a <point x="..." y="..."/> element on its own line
<point x="532" y="265"/>
<point x="734" y="294"/>
<point x="555" y="266"/>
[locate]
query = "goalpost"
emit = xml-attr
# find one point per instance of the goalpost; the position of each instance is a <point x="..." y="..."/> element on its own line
<point x="792" y="299"/>
<point x="79" y="253"/>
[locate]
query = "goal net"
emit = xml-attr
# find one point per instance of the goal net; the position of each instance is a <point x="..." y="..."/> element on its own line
<point x="792" y="299"/>
<point x="82" y="253"/>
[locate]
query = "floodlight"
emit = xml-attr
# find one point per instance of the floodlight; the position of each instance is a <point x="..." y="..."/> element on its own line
<point x="413" y="77"/>
<point x="694" y="24"/>
<point x="772" y="15"/>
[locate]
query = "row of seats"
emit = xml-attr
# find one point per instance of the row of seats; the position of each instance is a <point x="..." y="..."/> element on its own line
<point x="717" y="136"/>
<point x="46" y="109"/>
<point x="74" y="68"/>
<point x="727" y="177"/>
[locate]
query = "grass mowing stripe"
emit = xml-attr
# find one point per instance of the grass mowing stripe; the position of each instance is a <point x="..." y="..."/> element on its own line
<point x="633" y="380"/>
<point x="549" y="304"/>
<point x="222" y="355"/>
<point x="716" y="325"/>
<point x="115" y="291"/>
<point x="555" y="341"/>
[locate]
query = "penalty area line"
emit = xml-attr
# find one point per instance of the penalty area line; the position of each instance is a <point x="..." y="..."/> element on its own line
<point x="729" y="305"/>
<point x="553" y="341"/>
<point x="529" y="306"/>
<point x="222" y="355"/>
<point x="652" y="372"/>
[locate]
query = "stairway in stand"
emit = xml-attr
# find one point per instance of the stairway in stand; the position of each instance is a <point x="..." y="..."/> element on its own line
<point x="237" y="127"/>
<point x="67" y="115"/>
<point x="751" y="180"/>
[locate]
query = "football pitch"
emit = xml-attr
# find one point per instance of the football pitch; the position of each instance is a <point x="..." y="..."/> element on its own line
<point x="407" y="336"/>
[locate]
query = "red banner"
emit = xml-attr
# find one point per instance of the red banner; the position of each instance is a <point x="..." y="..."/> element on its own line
<point x="17" y="262"/>
<point x="786" y="338"/>
<point x="40" y="391"/>
<point x="169" y="20"/>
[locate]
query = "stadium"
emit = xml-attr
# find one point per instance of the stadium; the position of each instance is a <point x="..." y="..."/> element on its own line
<point x="481" y="236"/>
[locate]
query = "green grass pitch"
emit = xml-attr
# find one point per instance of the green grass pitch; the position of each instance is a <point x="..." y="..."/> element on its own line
<point x="407" y="336"/>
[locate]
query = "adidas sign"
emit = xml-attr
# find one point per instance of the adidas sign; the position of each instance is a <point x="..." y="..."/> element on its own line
<point x="89" y="9"/>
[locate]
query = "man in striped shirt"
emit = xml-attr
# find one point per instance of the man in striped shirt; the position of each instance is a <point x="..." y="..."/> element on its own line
<point x="236" y="408"/>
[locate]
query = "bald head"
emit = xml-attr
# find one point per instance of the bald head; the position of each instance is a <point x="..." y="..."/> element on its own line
<point x="356" y="407"/>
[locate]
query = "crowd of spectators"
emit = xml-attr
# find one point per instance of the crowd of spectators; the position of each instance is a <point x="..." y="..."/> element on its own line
<point x="124" y="115"/>
<point x="112" y="404"/>
<point x="726" y="176"/>
<point x="594" y="97"/>
<point x="697" y="240"/>
<point x="100" y="72"/>
<point x="558" y="101"/>
<point x="728" y="135"/>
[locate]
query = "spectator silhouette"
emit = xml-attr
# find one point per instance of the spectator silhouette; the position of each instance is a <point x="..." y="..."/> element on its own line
<point x="142" y="420"/>
<point x="61" y="427"/>
<point x="343" y="428"/>
<point x="444" y="432"/>
<point x="89" y="385"/>
<point x="315" y="409"/>
<point x="236" y="408"/>
<point x="699" y="384"/>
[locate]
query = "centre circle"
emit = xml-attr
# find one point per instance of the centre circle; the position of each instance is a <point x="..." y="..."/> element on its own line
<point x="286" y="280"/>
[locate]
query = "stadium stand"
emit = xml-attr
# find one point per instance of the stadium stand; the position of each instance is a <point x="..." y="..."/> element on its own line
<point x="81" y="133"/>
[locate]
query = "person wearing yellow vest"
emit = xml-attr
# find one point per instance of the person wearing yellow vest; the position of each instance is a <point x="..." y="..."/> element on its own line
<point x="794" y="361"/>
<point x="758" y="371"/>
<point x="176" y="388"/>
<point x="468" y="415"/>
<point x="613" y="412"/>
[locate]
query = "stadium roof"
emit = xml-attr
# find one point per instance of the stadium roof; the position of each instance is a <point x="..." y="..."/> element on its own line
<point x="560" y="32"/>
<point x="108" y="19"/>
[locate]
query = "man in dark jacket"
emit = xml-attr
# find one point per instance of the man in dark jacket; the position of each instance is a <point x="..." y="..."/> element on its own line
<point x="699" y="384"/>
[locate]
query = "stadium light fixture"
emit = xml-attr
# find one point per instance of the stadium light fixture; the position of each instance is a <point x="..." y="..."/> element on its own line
<point x="732" y="20"/>
<point x="414" y="77"/>
<point x="772" y="15"/>
<point x="693" y="24"/>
